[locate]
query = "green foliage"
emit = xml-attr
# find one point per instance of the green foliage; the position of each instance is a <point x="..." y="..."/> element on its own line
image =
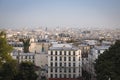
<point x="26" y="44"/>
<point x="7" y="64"/>
<point x="5" y="49"/>
<point x="86" y="75"/>
<point x="2" y="34"/>
<point x="108" y="64"/>
<point x="26" y="72"/>
<point x="8" y="70"/>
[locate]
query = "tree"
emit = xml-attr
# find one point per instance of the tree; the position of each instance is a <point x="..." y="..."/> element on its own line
<point x="7" y="64"/>
<point x="8" y="70"/>
<point x="5" y="49"/>
<point x="2" y="34"/>
<point x="86" y="75"/>
<point x="26" y="71"/>
<point x="107" y="65"/>
<point x="26" y="44"/>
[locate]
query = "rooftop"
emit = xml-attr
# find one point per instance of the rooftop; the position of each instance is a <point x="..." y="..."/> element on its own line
<point x="23" y="54"/>
<point x="64" y="46"/>
<point x="101" y="47"/>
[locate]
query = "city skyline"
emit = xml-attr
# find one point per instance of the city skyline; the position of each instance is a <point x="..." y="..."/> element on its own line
<point x="62" y="13"/>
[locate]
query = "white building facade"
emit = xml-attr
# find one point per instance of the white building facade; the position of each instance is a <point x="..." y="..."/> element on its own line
<point x="64" y="61"/>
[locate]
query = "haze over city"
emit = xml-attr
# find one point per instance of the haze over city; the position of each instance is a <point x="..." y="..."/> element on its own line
<point x="62" y="13"/>
<point x="59" y="39"/>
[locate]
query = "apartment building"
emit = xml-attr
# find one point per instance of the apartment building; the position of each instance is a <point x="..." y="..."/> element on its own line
<point x="64" y="61"/>
<point x="21" y="57"/>
<point x="18" y="46"/>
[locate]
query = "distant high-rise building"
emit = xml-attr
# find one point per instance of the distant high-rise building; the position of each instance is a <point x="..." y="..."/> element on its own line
<point x="46" y="29"/>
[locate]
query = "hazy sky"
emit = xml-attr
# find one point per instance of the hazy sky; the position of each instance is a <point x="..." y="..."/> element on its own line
<point x="65" y="13"/>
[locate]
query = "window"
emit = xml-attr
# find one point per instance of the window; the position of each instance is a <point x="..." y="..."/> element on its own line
<point x="69" y="70"/>
<point x="60" y="75"/>
<point x="33" y="57"/>
<point x="51" y="75"/>
<point x="15" y="45"/>
<point x="73" y="58"/>
<point x="69" y="53"/>
<point x="69" y="75"/>
<point x="17" y="57"/>
<point x="65" y="64"/>
<point x="55" y="75"/>
<point x="60" y="52"/>
<point x="51" y="69"/>
<point x="74" y="53"/>
<point x="69" y="58"/>
<point x="64" y="58"/>
<point x="73" y="75"/>
<point x="51" y="58"/>
<point x="74" y="70"/>
<point x="73" y="64"/>
<point x="98" y="51"/>
<point x="51" y="64"/>
<point x="55" y="52"/>
<point x="64" y="69"/>
<point x="60" y="64"/>
<point x="60" y="58"/>
<point x="60" y="69"/>
<point x="69" y="64"/>
<point x="79" y="58"/>
<point x="51" y="52"/>
<point x="56" y="58"/>
<point x="55" y="69"/>
<point x="64" y="75"/>
<point x="55" y="63"/>
<point x="64" y="52"/>
<point x="25" y="57"/>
